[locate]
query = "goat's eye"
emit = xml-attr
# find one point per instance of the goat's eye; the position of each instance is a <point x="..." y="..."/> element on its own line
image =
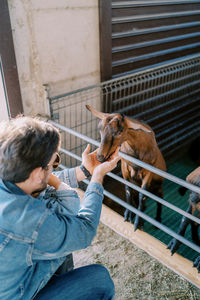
<point x="108" y="119"/>
<point x="119" y="127"/>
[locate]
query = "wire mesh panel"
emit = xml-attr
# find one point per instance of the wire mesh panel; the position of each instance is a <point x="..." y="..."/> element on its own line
<point x="166" y="97"/>
<point x="70" y="110"/>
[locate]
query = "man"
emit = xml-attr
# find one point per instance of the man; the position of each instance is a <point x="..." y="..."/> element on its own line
<point x="37" y="233"/>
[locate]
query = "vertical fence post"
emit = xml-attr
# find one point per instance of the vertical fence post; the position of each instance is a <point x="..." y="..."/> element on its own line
<point x="105" y="39"/>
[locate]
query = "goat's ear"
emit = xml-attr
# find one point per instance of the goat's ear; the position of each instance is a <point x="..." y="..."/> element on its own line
<point x="96" y="113"/>
<point x="131" y="125"/>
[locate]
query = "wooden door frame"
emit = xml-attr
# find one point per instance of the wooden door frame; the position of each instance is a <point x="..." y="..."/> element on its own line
<point x="8" y="59"/>
<point x="105" y="15"/>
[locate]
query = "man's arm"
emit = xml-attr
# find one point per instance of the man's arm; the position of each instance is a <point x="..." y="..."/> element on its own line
<point x="60" y="235"/>
<point x="74" y="175"/>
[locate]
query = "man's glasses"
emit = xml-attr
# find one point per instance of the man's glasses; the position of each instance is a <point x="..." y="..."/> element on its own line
<point x="56" y="162"/>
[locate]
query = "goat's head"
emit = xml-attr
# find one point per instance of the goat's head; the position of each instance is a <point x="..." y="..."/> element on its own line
<point x="113" y="129"/>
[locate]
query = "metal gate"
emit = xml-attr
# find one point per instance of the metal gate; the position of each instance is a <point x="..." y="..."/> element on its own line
<point x="167" y="98"/>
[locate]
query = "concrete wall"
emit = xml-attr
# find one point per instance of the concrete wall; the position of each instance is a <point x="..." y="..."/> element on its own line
<point x="56" y="42"/>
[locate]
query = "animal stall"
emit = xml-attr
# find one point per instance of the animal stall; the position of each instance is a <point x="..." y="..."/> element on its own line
<point x="167" y="99"/>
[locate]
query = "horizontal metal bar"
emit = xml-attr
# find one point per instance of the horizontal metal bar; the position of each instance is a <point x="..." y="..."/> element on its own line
<point x="154" y="88"/>
<point x="75" y="133"/>
<point x="85" y="89"/>
<point x="149" y="219"/>
<point x="154" y="197"/>
<point x="128" y="75"/>
<point x="154" y="54"/>
<point x="129" y="4"/>
<point x="161" y="173"/>
<point x="140" y="32"/>
<point x="71" y="154"/>
<point x="140" y="190"/>
<point x="162" y="124"/>
<point x="179" y="145"/>
<point x="155" y="42"/>
<point x="153" y="222"/>
<point x="132" y="159"/>
<point x="181" y="132"/>
<point x="150" y="76"/>
<point x="121" y="20"/>
<point x="159" y="67"/>
<point x="172" y="110"/>
<point x="153" y="67"/>
<point x="153" y="99"/>
<point x="179" y="139"/>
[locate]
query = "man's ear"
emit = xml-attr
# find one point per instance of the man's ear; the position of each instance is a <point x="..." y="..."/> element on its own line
<point x="37" y="175"/>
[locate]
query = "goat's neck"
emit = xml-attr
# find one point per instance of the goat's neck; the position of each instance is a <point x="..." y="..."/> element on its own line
<point x="133" y="140"/>
<point x="135" y="143"/>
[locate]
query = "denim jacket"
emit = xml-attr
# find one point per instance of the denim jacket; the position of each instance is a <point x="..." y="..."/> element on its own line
<point x="36" y="234"/>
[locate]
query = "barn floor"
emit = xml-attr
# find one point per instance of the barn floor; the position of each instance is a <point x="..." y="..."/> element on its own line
<point x="136" y="274"/>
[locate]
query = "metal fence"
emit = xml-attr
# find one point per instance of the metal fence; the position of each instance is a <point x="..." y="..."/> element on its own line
<point x="166" y="97"/>
<point x="133" y="186"/>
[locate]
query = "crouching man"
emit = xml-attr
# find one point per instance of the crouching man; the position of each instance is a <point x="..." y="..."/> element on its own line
<point x="38" y="228"/>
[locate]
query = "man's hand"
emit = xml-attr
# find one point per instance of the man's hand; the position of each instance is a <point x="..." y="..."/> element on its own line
<point x="54" y="181"/>
<point x="89" y="160"/>
<point x="103" y="168"/>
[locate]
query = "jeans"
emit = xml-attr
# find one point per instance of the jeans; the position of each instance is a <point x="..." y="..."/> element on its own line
<point x="85" y="283"/>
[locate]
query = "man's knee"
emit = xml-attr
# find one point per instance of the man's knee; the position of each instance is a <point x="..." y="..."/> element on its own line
<point x="105" y="281"/>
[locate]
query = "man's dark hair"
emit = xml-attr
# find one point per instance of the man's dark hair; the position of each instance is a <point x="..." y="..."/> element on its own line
<point x="25" y="144"/>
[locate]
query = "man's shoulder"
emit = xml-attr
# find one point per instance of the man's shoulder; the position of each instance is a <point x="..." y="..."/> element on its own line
<point x="20" y="214"/>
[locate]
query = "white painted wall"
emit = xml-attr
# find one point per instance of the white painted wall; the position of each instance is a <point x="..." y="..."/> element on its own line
<point x="56" y="42"/>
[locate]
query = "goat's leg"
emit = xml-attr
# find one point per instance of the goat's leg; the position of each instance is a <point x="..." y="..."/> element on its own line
<point x="195" y="236"/>
<point x="194" y="200"/>
<point x="138" y="221"/>
<point x="156" y="188"/>
<point x="197" y="263"/>
<point x="159" y="193"/>
<point x="174" y="243"/>
<point x="128" y="215"/>
<point x="128" y="200"/>
<point x="159" y="211"/>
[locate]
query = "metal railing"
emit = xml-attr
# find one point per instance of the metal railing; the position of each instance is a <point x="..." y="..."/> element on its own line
<point x="166" y="97"/>
<point x="135" y="187"/>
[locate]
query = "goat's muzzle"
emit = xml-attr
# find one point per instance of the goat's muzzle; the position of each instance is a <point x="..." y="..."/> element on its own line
<point x="100" y="157"/>
<point x="103" y="158"/>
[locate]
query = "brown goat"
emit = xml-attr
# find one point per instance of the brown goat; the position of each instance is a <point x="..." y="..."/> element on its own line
<point x="138" y="140"/>
<point x="194" y="206"/>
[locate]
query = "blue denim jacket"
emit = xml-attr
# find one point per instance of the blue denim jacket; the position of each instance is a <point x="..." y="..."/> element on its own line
<point x="36" y="234"/>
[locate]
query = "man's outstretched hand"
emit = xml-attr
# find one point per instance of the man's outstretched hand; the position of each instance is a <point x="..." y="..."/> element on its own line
<point x="89" y="160"/>
<point x="97" y="169"/>
<point x="103" y="168"/>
